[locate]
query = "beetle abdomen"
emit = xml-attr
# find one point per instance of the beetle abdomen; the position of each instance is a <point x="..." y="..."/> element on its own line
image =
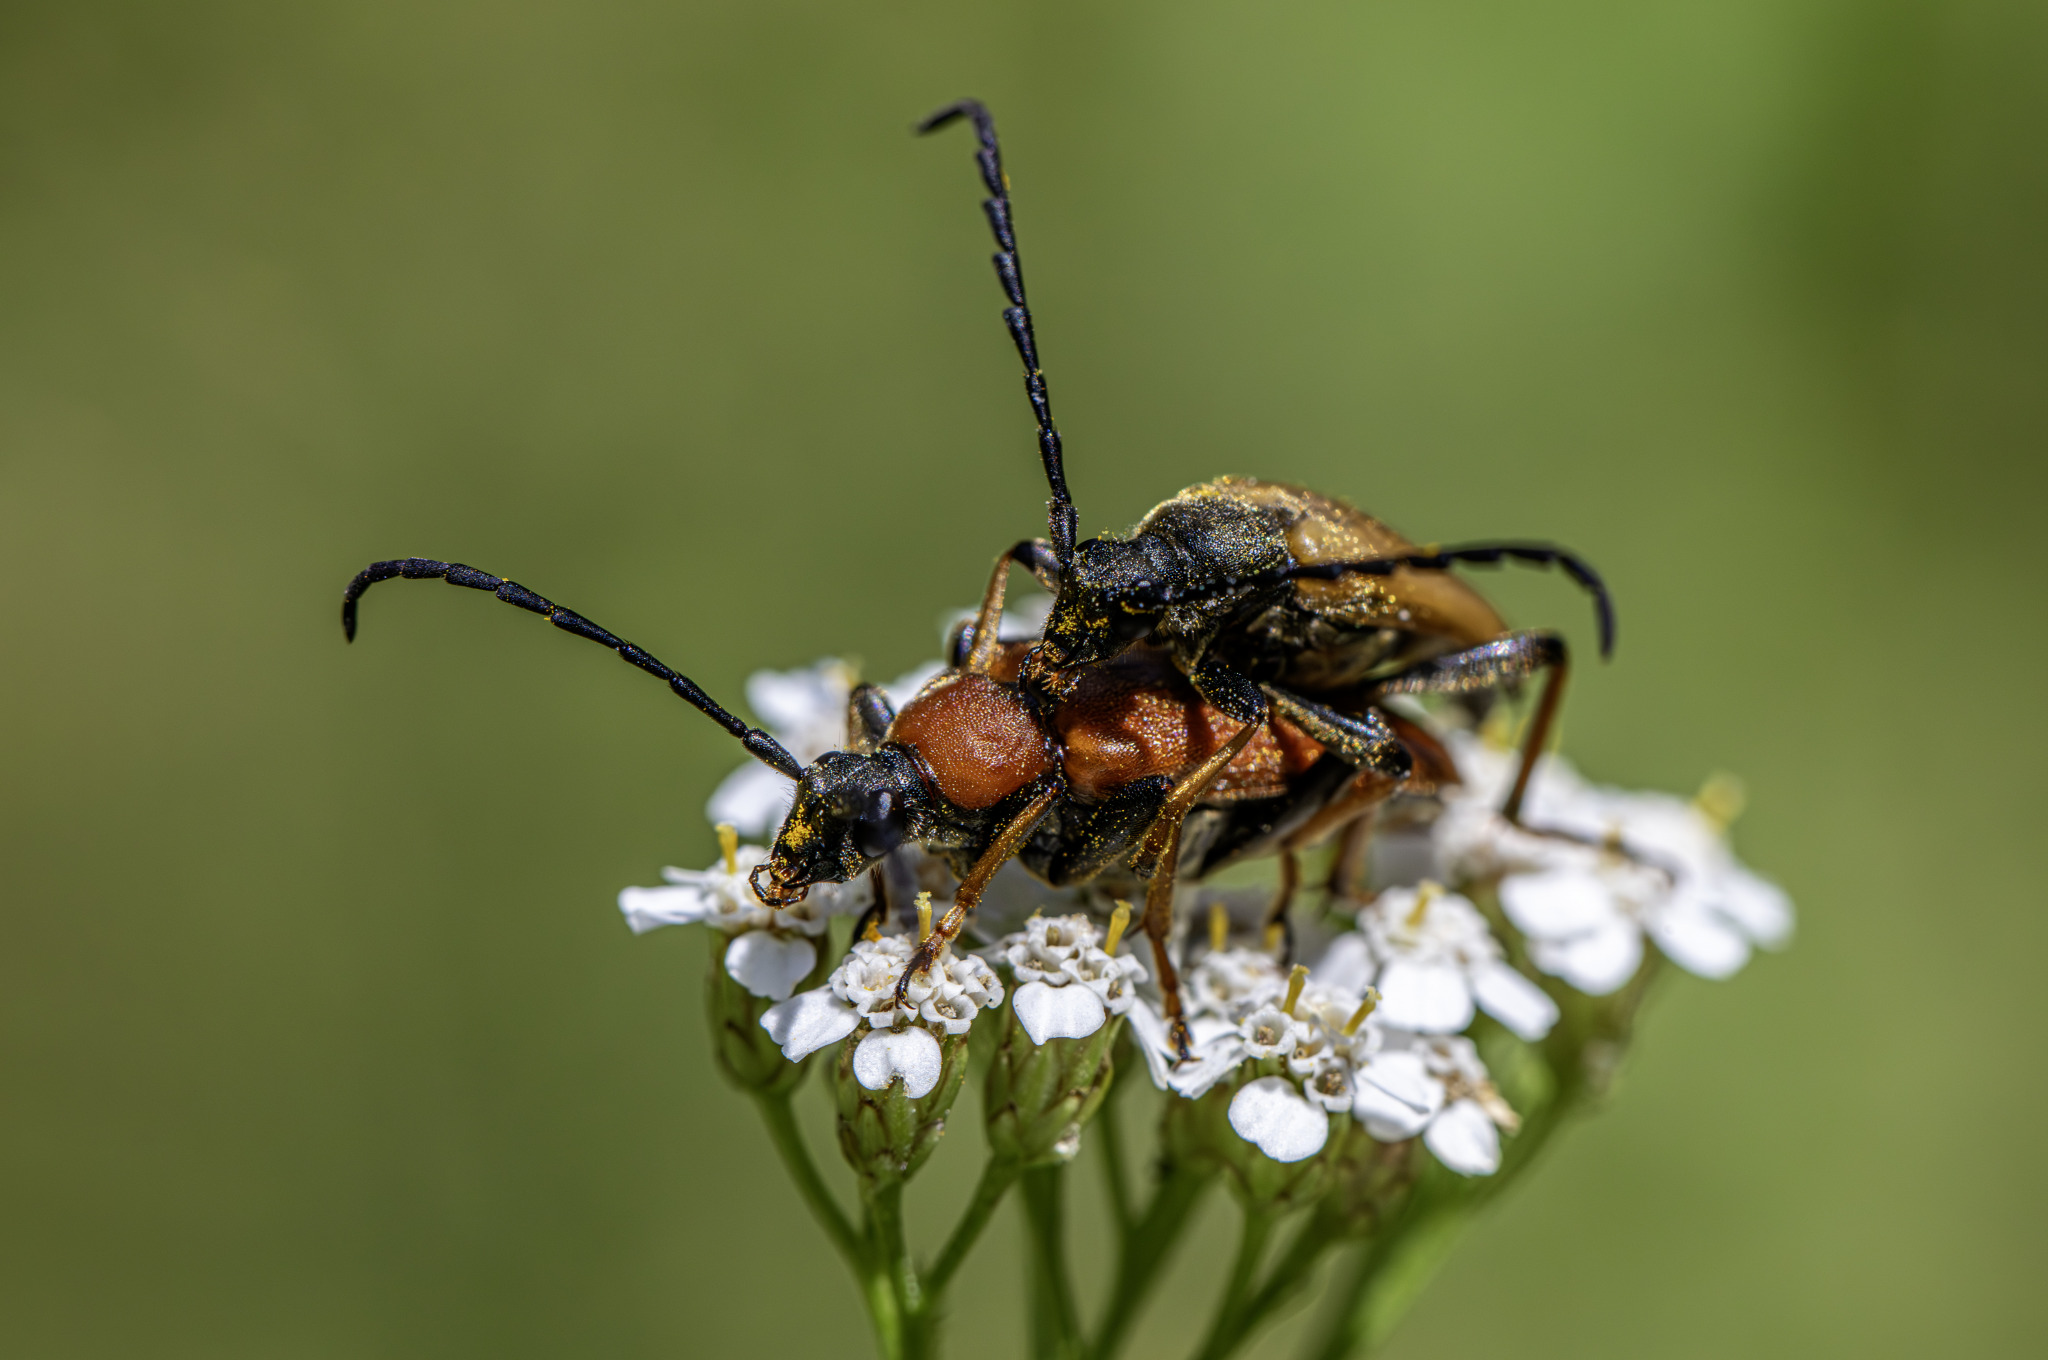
<point x="977" y="738"/>
<point x="1137" y="716"/>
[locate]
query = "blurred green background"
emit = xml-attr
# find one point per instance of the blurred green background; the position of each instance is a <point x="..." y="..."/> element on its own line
<point x="319" y="1032"/>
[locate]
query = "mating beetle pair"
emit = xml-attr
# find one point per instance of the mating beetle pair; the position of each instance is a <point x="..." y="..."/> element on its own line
<point x="1208" y="688"/>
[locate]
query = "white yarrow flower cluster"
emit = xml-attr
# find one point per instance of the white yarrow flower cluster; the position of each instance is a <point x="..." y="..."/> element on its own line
<point x="1336" y="1055"/>
<point x="1068" y="984"/>
<point x="901" y="1040"/>
<point x="771" y="948"/>
<point x="1623" y="865"/>
<point x="1433" y="959"/>
<point x="805" y="710"/>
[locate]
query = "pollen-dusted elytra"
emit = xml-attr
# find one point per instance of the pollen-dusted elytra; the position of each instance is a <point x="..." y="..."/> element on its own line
<point x="1208" y="688"/>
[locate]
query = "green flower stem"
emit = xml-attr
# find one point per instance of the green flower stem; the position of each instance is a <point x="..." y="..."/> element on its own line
<point x="916" y="1333"/>
<point x="1055" y="1331"/>
<point x="1116" y="1176"/>
<point x="996" y="1179"/>
<point x="1288" y="1277"/>
<point x="780" y="1118"/>
<point x="1146" y="1245"/>
<point x="1230" y="1323"/>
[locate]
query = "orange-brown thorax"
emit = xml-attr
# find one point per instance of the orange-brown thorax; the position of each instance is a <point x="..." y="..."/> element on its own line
<point x="977" y="738"/>
<point x="1137" y="716"/>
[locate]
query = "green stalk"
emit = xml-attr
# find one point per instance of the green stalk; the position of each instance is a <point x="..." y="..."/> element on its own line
<point x="777" y="1114"/>
<point x="1146" y="1245"/>
<point x="1230" y="1322"/>
<point x="1288" y="1277"/>
<point x="996" y="1179"/>
<point x="1055" y="1330"/>
<point x="1116" y="1176"/>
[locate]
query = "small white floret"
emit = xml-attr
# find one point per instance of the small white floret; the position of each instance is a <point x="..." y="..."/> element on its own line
<point x="1512" y="999"/>
<point x="808" y="1022"/>
<point x="1272" y="1116"/>
<point x="1048" y="1012"/>
<point x="909" y="1054"/>
<point x="770" y="965"/>
<point x="1464" y="1139"/>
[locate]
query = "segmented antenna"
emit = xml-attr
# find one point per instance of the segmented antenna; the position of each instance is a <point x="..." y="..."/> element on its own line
<point x="1017" y="316"/>
<point x="1479" y="554"/>
<point x="759" y="744"/>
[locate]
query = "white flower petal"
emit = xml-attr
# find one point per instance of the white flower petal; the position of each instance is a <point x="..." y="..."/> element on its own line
<point x="753" y="798"/>
<point x="1071" y="1012"/>
<point x="911" y="1054"/>
<point x="1513" y="1000"/>
<point x="1209" y="1065"/>
<point x="1347" y="964"/>
<point x="1400" y="1088"/>
<point x="1150" y="1032"/>
<point x="1272" y="1116"/>
<point x="1698" y="940"/>
<point x="808" y="1021"/>
<point x="1464" y="1139"/>
<point x="1596" y="963"/>
<point x="1428" y="998"/>
<point x="1759" y="906"/>
<point x="769" y="965"/>
<point x="651" y="908"/>
<point x="1557" y="902"/>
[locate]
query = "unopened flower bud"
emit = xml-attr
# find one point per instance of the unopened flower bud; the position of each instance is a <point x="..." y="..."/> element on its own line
<point x="1051" y="1067"/>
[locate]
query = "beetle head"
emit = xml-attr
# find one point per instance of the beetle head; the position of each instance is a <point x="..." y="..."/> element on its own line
<point x="851" y="809"/>
<point x="1111" y="596"/>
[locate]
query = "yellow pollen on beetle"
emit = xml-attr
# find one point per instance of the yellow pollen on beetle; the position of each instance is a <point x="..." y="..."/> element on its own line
<point x="1119" y="921"/>
<point x="1721" y="799"/>
<point x="1296" y="980"/>
<point x="1426" y="892"/>
<point x="729" y="845"/>
<point x="924" y="917"/>
<point x="1219" y="927"/>
<point x="1365" y="1008"/>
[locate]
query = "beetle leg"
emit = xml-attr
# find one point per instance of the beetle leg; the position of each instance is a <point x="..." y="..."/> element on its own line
<point x="1277" y="919"/>
<point x="1158" y="924"/>
<point x="1364" y="740"/>
<point x="1498" y="665"/>
<point x="1225" y="689"/>
<point x="1006" y="844"/>
<point x="1347" y="871"/>
<point x="1166" y="826"/>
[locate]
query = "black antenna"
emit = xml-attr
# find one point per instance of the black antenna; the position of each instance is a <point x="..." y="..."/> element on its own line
<point x="759" y="744"/>
<point x="1017" y="316"/>
<point x="1480" y="554"/>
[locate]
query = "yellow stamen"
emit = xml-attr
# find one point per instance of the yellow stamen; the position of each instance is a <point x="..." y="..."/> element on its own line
<point x="874" y="930"/>
<point x="1219" y="927"/>
<point x="729" y="845"/>
<point x="924" y="917"/>
<point x="1274" y="934"/>
<point x="1721" y="799"/>
<point x="1119" y="921"/>
<point x="1296" y="980"/>
<point x="1426" y="892"/>
<point x="1365" y="1008"/>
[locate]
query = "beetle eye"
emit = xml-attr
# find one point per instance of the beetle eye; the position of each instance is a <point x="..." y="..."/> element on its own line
<point x="880" y="828"/>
